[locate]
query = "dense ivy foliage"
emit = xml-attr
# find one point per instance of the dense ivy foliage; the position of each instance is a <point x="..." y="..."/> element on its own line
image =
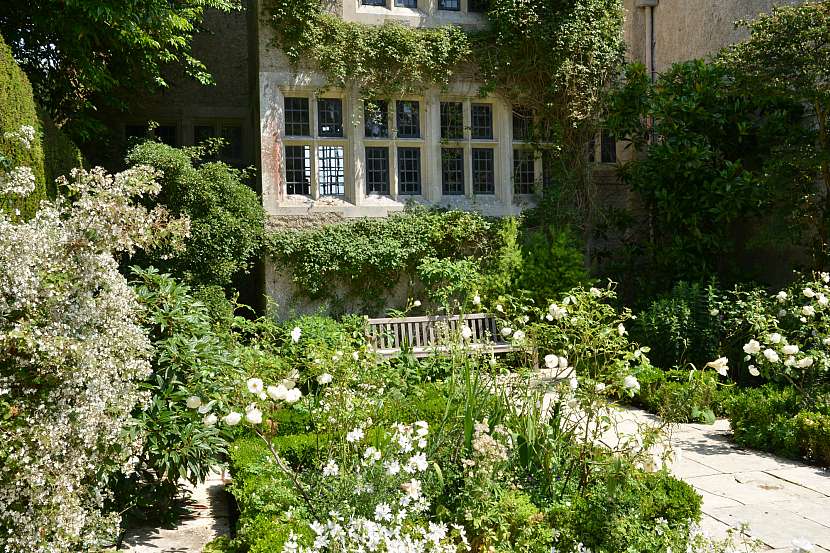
<point x="226" y="216"/>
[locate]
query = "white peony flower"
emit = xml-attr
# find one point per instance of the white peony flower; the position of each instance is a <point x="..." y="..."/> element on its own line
<point x="805" y="363"/>
<point x="630" y="382"/>
<point x="193" y="402"/>
<point x="720" y="365"/>
<point x="324" y="378"/>
<point x="210" y="420"/>
<point x="752" y="347"/>
<point x="774" y="337"/>
<point x="771" y="355"/>
<point x="808" y="292"/>
<point x="790" y="349"/>
<point x="277" y="393"/>
<point x="253" y="415"/>
<point x="255" y="385"/>
<point x="293" y="395"/>
<point x="232" y="418"/>
<point x="753" y="370"/>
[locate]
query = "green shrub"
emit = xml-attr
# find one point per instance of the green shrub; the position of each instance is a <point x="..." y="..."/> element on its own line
<point x="813" y="431"/>
<point x="552" y="263"/>
<point x="226" y="217"/>
<point x="61" y="155"/>
<point x="681" y="396"/>
<point x="761" y="418"/>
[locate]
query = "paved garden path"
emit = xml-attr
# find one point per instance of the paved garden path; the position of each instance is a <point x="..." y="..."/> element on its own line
<point x="207" y="519"/>
<point x="778" y="498"/>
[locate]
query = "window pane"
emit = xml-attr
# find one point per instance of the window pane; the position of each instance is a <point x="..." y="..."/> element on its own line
<point x="331" y="173"/>
<point x="376" y="118"/>
<point x="409" y="170"/>
<point x="452" y="120"/>
<point x="482" y="121"/>
<point x="233" y="143"/>
<point x="453" y="5"/>
<point x="408" y="119"/>
<point x="484" y="171"/>
<point x="298" y="170"/>
<point x="547" y="169"/>
<point x="522" y="118"/>
<point x="296" y="117"/>
<point x="523" y="173"/>
<point x="330" y="116"/>
<point x="167" y="134"/>
<point x="452" y="171"/>
<point x="377" y="170"/>
<point x="609" y="148"/>
<point x="374" y="2"/>
<point x="202" y="133"/>
<point x="406" y="3"/>
<point x="478" y="6"/>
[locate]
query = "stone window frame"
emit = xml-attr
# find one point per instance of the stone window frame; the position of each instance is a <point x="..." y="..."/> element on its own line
<point x="430" y="8"/>
<point x="537" y="170"/>
<point x="315" y="142"/>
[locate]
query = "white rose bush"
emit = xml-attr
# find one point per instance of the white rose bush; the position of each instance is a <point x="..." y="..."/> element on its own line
<point x="71" y="354"/>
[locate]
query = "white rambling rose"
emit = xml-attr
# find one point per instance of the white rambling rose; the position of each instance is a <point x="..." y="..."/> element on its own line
<point x="323" y="379"/>
<point x="808" y="292"/>
<point x="822" y="300"/>
<point x="193" y="402"/>
<point x="277" y="393"/>
<point x="255" y="385"/>
<point x="551" y="361"/>
<point x="789" y="361"/>
<point x="293" y="395"/>
<point x="595" y="292"/>
<point x="774" y="337"/>
<point x="790" y="349"/>
<point x="771" y="355"/>
<point x="752" y="347"/>
<point x="805" y="363"/>
<point x="753" y="370"/>
<point x="296" y="332"/>
<point x="506" y="331"/>
<point x="808" y="310"/>
<point x="466" y="332"/>
<point x="476" y="300"/>
<point x="232" y="418"/>
<point x="518" y="336"/>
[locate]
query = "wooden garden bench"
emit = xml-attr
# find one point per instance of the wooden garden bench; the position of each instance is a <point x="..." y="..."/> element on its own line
<point x="421" y="335"/>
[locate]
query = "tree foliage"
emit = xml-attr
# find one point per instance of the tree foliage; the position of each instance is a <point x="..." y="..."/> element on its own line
<point x="84" y="54"/>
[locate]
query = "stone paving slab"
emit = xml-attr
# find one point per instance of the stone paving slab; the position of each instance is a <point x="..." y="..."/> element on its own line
<point x="208" y="518"/>
<point x="776" y="527"/>
<point x="815" y="478"/>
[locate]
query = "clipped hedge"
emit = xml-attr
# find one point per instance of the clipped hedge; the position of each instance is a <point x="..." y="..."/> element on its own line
<point x="52" y="154"/>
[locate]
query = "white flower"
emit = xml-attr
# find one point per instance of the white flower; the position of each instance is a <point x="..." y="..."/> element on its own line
<point x="492" y="362"/>
<point x="518" y="336"/>
<point x="808" y="292"/>
<point x="499" y="308"/>
<point x="771" y="355"/>
<point x="714" y="312"/>
<point x="506" y="331"/>
<point x="596" y="292"/>
<point x="277" y="393"/>
<point x="476" y="300"/>
<point x="421" y="428"/>
<point x="210" y="420"/>
<point x="255" y="385"/>
<point x="790" y="349"/>
<point x="412" y="488"/>
<point x="782" y="313"/>
<point x="802" y="545"/>
<point x="720" y="365"/>
<point x="193" y="402"/>
<point x="557" y="312"/>
<point x="393" y="467"/>
<point x="416" y="303"/>
<point x="383" y="512"/>
<point x="599" y="388"/>
<point x="372" y="454"/>
<point x="417" y="463"/>
<point x="826" y="341"/>
<point x="752" y="347"/>
<point x="355" y="356"/>
<point x="331" y="468"/>
<point x="563" y="362"/>
<point x="205" y="408"/>
<point x="466" y="332"/>
<point x="630" y="382"/>
<point x="781" y="296"/>
<point x="822" y="300"/>
<point x="295" y="334"/>
<point x="808" y="310"/>
<point x="774" y="337"/>
<point x="293" y="395"/>
<point x="324" y="378"/>
<point x="753" y="370"/>
<point x="804" y="363"/>
<point x="355" y="435"/>
<point x="253" y="415"/>
<point x="525" y="319"/>
<point x="551" y="361"/>
<point x="573" y="383"/>
<point x="621" y="329"/>
<point x="232" y="418"/>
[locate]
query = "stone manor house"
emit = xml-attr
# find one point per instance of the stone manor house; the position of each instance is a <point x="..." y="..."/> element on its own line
<point x="323" y="158"/>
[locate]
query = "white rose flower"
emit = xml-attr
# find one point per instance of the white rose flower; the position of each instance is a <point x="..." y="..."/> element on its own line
<point x="277" y="393"/>
<point x="476" y="300"/>
<point x="506" y="331"/>
<point x="323" y="379"/>
<point x="774" y="337"/>
<point x="466" y="332"/>
<point x="753" y="370"/>
<point x="232" y="418"/>
<point x="253" y="415"/>
<point x="519" y="335"/>
<point x="630" y="382"/>
<point x="825" y="277"/>
<point x="720" y="365"/>
<point x="808" y="310"/>
<point x="549" y="317"/>
<point x="193" y="402"/>
<point x="790" y="349"/>
<point x="808" y="292"/>
<point x="499" y="308"/>
<point x="293" y="395"/>
<point x="804" y="363"/>
<point x="296" y="332"/>
<point x="551" y="361"/>
<point x="573" y="383"/>
<point x="752" y="347"/>
<point x="255" y="385"/>
<point x="822" y="300"/>
<point x="771" y="355"/>
<point x="209" y="420"/>
<point x="781" y="296"/>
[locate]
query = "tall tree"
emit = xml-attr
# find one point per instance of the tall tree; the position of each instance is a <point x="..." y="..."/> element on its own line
<point x="81" y="55"/>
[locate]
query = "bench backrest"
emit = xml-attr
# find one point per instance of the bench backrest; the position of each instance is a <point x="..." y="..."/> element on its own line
<point x="420" y="332"/>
